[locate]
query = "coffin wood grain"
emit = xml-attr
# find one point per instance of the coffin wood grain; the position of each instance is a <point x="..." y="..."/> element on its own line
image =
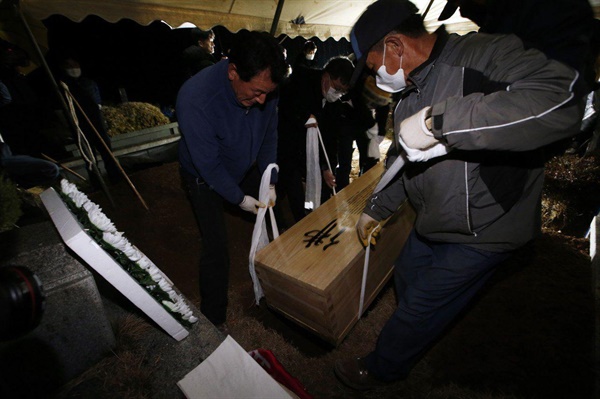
<point x="320" y="289"/>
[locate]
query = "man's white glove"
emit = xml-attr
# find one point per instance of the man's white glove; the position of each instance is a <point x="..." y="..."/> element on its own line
<point x="415" y="133"/>
<point x="251" y="204"/>
<point x="366" y="224"/>
<point x="413" y="155"/>
<point x="272" y="196"/>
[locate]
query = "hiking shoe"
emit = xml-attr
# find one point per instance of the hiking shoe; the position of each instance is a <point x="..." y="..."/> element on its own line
<point x="354" y="373"/>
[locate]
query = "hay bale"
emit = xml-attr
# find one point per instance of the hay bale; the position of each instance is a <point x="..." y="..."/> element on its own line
<point x="132" y="116"/>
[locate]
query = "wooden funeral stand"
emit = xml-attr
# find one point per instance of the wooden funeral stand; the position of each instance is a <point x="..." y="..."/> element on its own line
<point x="313" y="272"/>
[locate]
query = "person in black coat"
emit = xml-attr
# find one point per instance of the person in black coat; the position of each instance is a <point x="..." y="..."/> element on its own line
<point x="200" y="54"/>
<point x="308" y="93"/>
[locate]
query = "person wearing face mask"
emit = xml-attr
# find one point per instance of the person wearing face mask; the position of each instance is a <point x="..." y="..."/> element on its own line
<point x="306" y="59"/>
<point x="309" y="94"/>
<point x="87" y="94"/>
<point x="473" y="115"/>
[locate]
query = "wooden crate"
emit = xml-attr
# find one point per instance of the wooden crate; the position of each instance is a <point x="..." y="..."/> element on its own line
<point x="318" y="286"/>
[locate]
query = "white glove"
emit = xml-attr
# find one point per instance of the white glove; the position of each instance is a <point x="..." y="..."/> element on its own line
<point x="272" y="196"/>
<point x="414" y="131"/>
<point x="251" y="204"/>
<point x="413" y="155"/>
<point x="365" y="225"/>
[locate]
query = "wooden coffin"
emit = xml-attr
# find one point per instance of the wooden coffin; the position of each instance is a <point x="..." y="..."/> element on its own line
<point x="313" y="272"/>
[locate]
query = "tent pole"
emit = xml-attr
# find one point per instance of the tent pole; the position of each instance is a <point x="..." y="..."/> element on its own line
<point x="427" y="9"/>
<point x="276" y="17"/>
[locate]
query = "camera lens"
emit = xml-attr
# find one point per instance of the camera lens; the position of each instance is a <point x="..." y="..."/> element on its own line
<point x="22" y="301"/>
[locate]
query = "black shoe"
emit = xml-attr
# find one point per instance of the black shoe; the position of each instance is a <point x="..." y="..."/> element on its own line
<point x="354" y="373"/>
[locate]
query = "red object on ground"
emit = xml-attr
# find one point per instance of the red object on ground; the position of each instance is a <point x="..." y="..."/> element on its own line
<point x="269" y="362"/>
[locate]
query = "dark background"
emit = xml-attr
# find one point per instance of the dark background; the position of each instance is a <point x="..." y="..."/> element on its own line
<point x="146" y="60"/>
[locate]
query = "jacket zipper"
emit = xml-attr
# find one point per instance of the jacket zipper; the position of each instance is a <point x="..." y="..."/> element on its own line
<point x="468" y="212"/>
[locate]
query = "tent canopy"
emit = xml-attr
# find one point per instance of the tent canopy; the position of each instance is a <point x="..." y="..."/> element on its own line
<point x="322" y="18"/>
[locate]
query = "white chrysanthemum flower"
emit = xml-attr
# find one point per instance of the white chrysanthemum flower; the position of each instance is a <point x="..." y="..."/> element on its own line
<point x="144" y="263"/>
<point x="91" y="207"/>
<point x="67" y="187"/>
<point x="79" y="198"/>
<point x="116" y="240"/>
<point x="170" y="305"/>
<point x="164" y="285"/>
<point x="154" y="273"/>
<point x="132" y="253"/>
<point x="100" y="220"/>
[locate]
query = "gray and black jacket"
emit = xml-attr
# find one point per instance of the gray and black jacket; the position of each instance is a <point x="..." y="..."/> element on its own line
<point x="495" y="105"/>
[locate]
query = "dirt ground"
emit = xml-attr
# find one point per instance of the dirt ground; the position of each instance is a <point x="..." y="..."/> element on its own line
<point x="530" y="334"/>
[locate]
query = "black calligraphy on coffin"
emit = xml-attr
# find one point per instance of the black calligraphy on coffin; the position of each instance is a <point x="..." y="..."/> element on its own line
<point x="316" y="237"/>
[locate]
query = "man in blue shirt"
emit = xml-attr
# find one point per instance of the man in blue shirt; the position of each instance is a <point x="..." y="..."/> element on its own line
<point x="227" y="114"/>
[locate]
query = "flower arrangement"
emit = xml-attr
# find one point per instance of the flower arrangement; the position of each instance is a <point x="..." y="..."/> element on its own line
<point x="132" y="260"/>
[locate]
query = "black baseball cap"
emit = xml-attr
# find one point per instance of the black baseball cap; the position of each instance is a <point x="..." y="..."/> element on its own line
<point x="449" y="10"/>
<point x="375" y="22"/>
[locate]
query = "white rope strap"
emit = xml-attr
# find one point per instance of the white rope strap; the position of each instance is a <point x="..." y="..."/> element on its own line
<point x="259" y="236"/>
<point x="385" y="179"/>
<point x="82" y="141"/>
<point x="326" y="157"/>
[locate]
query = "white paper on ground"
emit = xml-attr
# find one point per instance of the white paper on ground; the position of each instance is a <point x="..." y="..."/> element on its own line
<point x="230" y="372"/>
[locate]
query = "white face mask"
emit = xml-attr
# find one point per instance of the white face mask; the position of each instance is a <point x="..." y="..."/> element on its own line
<point x="333" y="95"/>
<point x="390" y="83"/>
<point x="73" y="72"/>
<point x="310" y="56"/>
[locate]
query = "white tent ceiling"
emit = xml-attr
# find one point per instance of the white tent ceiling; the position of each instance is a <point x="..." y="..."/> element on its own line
<point x="323" y="18"/>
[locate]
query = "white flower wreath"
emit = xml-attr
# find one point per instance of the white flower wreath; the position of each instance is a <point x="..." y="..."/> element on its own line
<point x="117" y="240"/>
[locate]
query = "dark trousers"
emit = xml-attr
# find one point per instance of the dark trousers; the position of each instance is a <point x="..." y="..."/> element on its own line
<point x="434" y="282"/>
<point x="27" y="171"/>
<point x="214" y="257"/>
<point x="290" y="184"/>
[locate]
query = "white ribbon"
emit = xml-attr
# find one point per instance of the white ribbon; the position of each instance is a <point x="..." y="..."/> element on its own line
<point x="373" y="151"/>
<point x="313" y="170"/>
<point x="260" y="237"/>
<point x="385" y="179"/>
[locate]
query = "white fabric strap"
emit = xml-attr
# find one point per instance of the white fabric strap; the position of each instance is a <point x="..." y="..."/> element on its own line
<point x="391" y="172"/>
<point x="373" y="149"/>
<point x="313" y="171"/>
<point x="385" y="179"/>
<point x="260" y="237"/>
